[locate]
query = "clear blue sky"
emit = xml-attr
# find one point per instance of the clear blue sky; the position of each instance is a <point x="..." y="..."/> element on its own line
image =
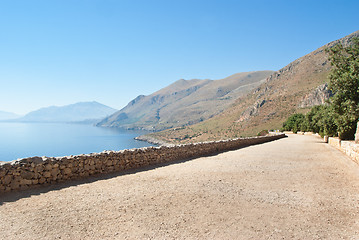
<point x="58" y="52"/>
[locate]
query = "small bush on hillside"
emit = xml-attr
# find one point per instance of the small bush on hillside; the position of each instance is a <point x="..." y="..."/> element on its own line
<point x="263" y="133"/>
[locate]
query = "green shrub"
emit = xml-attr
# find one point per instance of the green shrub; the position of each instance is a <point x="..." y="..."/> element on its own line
<point x="263" y="133"/>
<point x="293" y="123"/>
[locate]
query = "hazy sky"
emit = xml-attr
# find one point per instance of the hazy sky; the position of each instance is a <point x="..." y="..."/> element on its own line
<point x="58" y="52"/>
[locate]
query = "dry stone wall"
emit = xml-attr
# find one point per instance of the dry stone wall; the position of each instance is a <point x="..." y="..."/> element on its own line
<point x="24" y="173"/>
<point x="350" y="148"/>
<point x="335" y="142"/>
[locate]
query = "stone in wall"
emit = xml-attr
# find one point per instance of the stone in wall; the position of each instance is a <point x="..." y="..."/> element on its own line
<point x="351" y="149"/>
<point x="335" y="142"/>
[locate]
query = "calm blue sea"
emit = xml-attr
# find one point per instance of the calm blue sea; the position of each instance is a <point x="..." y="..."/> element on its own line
<point x="20" y="140"/>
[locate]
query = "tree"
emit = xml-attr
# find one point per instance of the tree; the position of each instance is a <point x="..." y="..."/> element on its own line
<point x="323" y="121"/>
<point x="320" y="119"/>
<point x="344" y="83"/>
<point x="311" y="119"/>
<point x="293" y="123"/>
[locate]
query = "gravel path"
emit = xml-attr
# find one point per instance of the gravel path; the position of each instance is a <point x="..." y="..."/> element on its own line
<point x="293" y="188"/>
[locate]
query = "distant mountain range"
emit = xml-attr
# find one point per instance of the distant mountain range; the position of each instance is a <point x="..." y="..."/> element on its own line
<point x="294" y="88"/>
<point x="184" y="102"/>
<point x="86" y="112"/>
<point x="8" y="115"/>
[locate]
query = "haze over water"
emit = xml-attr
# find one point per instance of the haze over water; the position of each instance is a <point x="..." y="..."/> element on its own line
<point x="20" y="140"/>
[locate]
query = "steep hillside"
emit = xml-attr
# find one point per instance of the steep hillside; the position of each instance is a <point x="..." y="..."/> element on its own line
<point x="294" y="88"/>
<point x="82" y="111"/>
<point x="184" y="102"/>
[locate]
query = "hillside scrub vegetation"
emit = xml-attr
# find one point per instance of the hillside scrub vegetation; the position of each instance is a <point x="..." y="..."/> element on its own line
<point x="340" y="115"/>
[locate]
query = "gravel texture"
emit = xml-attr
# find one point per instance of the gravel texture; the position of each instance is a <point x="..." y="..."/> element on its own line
<point x="293" y="188"/>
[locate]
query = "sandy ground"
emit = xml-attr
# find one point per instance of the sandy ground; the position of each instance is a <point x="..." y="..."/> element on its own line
<point x="293" y="188"/>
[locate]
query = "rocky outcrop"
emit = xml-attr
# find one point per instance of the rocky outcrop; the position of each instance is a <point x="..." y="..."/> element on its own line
<point x="153" y="140"/>
<point x="252" y="110"/>
<point x="317" y="97"/>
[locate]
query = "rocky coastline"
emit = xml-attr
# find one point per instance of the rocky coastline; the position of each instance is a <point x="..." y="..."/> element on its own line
<point x="154" y="141"/>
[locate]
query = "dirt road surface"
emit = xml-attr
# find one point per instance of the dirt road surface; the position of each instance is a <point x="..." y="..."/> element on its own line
<point x="293" y="188"/>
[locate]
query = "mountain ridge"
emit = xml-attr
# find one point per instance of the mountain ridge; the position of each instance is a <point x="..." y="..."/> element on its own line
<point x="184" y="102"/>
<point x="4" y="115"/>
<point x="76" y="112"/>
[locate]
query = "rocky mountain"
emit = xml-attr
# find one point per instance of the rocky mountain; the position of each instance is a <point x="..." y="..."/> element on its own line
<point x="79" y="112"/>
<point x="294" y="88"/>
<point x="184" y="102"/>
<point x="317" y="97"/>
<point x="8" y="115"/>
